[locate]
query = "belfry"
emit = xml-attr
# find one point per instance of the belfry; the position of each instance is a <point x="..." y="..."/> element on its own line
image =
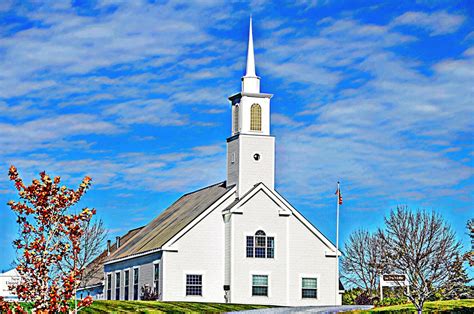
<point x="250" y="148"/>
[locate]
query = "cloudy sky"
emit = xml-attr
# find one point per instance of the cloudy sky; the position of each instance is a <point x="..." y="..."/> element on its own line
<point x="378" y="95"/>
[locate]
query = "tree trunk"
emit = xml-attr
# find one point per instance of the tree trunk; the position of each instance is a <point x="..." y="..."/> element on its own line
<point x="419" y="308"/>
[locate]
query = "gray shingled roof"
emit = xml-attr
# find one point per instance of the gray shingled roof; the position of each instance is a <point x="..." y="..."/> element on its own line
<point x="171" y="221"/>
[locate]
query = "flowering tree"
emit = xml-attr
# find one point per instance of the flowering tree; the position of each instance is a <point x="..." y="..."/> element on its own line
<point x="48" y="234"/>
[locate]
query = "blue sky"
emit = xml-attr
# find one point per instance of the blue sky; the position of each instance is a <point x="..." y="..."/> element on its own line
<point x="378" y="95"/>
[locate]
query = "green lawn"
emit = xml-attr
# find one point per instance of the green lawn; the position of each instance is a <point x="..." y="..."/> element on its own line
<point x="164" y="307"/>
<point x="452" y="306"/>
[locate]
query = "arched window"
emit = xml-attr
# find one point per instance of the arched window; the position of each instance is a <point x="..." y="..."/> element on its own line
<point x="260" y="246"/>
<point x="236" y="118"/>
<point x="256" y="117"/>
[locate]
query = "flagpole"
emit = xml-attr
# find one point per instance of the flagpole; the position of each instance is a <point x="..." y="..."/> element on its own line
<point x="337" y="241"/>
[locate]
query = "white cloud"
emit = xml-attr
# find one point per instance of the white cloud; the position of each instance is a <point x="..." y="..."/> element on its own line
<point x="278" y="119"/>
<point x="436" y="23"/>
<point x="73" y="44"/>
<point x="162" y="172"/>
<point x="150" y="111"/>
<point x="51" y="132"/>
<point x="308" y="4"/>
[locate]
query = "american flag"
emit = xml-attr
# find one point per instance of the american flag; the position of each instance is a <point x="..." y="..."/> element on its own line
<point x="339" y="194"/>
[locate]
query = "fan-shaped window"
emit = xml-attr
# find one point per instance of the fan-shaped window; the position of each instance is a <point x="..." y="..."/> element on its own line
<point x="256" y="117"/>
<point x="260" y="246"/>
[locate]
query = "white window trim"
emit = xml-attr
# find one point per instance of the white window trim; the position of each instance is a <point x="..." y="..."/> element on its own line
<point x="318" y="290"/>
<point x="261" y="273"/>
<point x="236" y="116"/>
<point x="133" y="283"/>
<point x="158" y="261"/>
<point x="124" y="270"/>
<point x="115" y="284"/>
<point x="191" y="272"/>
<point x="111" y="284"/>
<point x="273" y="235"/>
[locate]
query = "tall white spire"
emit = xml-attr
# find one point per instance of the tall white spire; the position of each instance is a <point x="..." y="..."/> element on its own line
<point x="250" y="82"/>
<point x="250" y="55"/>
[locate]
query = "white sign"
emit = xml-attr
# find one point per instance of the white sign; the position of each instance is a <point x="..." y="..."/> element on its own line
<point x="11" y="277"/>
<point x="393" y="280"/>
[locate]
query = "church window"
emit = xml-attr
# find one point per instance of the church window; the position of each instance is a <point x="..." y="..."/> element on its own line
<point x="256" y="117"/>
<point x="193" y="284"/>
<point x="236" y="119"/>
<point x="309" y="288"/>
<point x="126" y="283"/>
<point x="270" y="247"/>
<point x="260" y="246"/>
<point x="135" y="283"/>
<point x="260" y="285"/>
<point x="250" y="246"/>
<point x="109" y="287"/>
<point x="156" y="278"/>
<point x="117" y="286"/>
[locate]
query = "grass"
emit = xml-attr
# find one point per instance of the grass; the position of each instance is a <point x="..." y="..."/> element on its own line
<point x="165" y="307"/>
<point x="451" y="306"/>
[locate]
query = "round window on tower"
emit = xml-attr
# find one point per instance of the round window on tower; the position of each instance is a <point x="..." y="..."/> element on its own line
<point x="256" y="157"/>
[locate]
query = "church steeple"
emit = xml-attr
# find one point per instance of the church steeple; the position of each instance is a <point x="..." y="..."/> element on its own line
<point x="251" y="148"/>
<point x="250" y="82"/>
<point x="250" y="71"/>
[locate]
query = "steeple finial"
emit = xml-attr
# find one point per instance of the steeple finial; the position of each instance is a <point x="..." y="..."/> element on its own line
<point x="250" y="55"/>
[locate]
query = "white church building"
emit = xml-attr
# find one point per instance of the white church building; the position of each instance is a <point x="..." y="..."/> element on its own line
<point x="238" y="241"/>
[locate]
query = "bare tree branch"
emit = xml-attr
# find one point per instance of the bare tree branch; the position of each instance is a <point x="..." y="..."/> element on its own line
<point x="423" y="246"/>
<point x="361" y="263"/>
<point x="92" y="245"/>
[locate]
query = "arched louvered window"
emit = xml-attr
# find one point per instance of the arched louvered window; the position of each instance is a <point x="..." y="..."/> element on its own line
<point x="260" y="246"/>
<point x="236" y="118"/>
<point x="255" y="117"/>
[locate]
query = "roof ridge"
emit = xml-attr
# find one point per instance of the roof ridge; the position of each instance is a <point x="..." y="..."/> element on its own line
<point x="133" y="230"/>
<point x="206" y="187"/>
